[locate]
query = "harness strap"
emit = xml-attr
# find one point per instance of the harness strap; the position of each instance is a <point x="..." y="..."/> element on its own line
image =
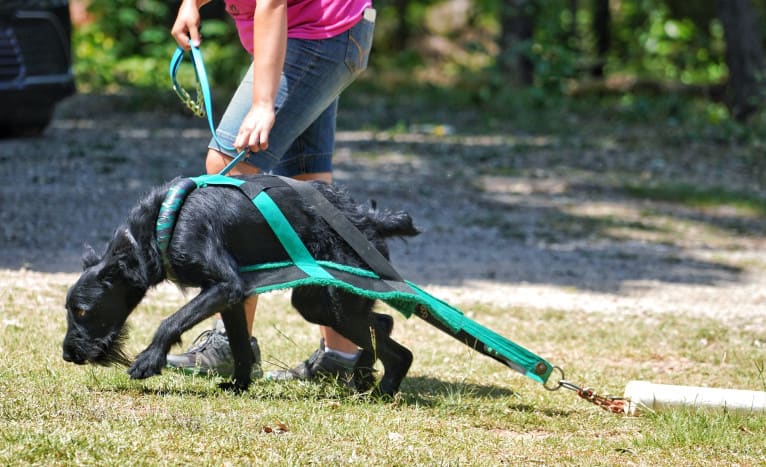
<point x="287" y="236"/>
<point x="166" y="220"/>
<point x="350" y="233"/>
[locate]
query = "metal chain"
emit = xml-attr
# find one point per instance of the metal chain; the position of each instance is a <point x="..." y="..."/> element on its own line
<point x="609" y="403"/>
<point x="196" y="106"/>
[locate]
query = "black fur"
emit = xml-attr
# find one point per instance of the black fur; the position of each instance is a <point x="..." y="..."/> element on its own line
<point x="217" y="230"/>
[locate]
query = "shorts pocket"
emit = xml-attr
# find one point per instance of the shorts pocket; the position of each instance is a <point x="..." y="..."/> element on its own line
<point x="359" y="45"/>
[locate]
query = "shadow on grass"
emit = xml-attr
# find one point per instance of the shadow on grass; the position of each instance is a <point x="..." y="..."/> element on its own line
<point x="431" y="392"/>
<point x="421" y="391"/>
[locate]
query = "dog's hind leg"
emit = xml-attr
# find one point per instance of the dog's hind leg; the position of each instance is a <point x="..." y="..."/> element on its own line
<point x="396" y="358"/>
<point x="364" y="378"/>
<point x="351" y="315"/>
<point x="209" y="301"/>
<point x="239" y="341"/>
<point x="372" y="332"/>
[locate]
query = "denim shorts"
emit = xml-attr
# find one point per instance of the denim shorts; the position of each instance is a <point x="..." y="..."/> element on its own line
<point x="315" y="73"/>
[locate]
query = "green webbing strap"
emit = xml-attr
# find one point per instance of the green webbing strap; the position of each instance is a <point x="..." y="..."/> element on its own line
<point x="166" y="220"/>
<point x="278" y="223"/>
<point x="287" y="236"/>
<point x="350" y="233"/>
<point x="205" y="180"/>
<point x="494" y="345"/>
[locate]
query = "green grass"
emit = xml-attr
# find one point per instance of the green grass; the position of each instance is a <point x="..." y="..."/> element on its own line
<point x="456" y="406"/>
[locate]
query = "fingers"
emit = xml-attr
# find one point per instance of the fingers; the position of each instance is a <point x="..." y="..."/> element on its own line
<point x="257" y="140"/>
<point x="186" y="27"/>
<point x="186" y="36"/>
<point x="254" y="131"/>
<point x="195" y="38"/>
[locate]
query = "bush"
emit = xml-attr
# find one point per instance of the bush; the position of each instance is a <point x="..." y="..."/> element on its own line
<point x="133" y="47"/>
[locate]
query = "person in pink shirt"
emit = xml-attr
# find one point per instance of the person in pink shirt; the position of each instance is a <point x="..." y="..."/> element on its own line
<point x="305" y="53"/>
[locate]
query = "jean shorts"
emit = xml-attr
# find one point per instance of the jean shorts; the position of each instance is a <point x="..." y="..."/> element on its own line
<point x="315" y="73"/>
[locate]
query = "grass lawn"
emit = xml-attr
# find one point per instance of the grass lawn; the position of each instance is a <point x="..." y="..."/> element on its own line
<point x="456" y="407"/>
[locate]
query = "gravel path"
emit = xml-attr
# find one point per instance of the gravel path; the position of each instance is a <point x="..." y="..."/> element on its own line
<point x="509" y="219"/>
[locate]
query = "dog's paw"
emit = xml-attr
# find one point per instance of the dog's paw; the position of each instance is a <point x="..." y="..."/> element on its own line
<point x="146" y="365"/>
<point x="385" y="391"/>
<point x="234" y="387"/>
<point x="363" y="379"/>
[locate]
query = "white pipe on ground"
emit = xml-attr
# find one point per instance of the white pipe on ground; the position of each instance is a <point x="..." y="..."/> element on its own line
<point x="644" y="395"/>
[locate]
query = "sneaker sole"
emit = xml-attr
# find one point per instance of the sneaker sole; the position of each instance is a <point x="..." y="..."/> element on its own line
<point x="192" y="371"/>
<point x="195" y="371"/>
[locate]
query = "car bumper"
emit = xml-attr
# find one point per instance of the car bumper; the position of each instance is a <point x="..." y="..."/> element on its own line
<point x="35" y="61"/>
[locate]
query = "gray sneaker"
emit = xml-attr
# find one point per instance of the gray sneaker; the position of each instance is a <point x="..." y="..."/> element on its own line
<point x="319" y="364"/>
<point x="210" y="355"/>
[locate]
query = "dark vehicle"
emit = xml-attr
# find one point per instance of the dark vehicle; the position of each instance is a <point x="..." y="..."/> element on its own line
<point x="35" y="63"/>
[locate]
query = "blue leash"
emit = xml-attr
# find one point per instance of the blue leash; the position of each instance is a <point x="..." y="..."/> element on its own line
<point x="204" y="103"/>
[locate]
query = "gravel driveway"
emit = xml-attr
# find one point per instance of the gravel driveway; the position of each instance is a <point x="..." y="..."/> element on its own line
<point x="510" y="219"/>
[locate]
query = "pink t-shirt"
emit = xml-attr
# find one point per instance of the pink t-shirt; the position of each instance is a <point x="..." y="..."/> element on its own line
<point x="306" y="19"/>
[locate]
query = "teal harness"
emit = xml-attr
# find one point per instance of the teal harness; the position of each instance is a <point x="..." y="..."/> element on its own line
<point x="382" y="284"/>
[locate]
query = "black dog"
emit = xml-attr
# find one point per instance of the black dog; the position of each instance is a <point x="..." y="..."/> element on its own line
<point x="218" y="230"/>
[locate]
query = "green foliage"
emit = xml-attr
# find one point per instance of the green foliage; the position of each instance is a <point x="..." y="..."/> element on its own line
<point x="129" y="44"/>
<point x="553" y="50"/>
<point x="649" y="41"/>
<point x="659" y="41"/>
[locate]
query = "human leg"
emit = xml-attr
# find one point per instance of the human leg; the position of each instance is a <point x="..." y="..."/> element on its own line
<point x="210" y="352"/>
<point x="302" y="139"/>
<point x="310" y="158"/>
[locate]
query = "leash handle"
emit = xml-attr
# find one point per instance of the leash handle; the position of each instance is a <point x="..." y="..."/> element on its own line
<point x="204" y="103"/>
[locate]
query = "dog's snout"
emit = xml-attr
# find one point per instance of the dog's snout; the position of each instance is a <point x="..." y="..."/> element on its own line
<point x="72" y="356"/>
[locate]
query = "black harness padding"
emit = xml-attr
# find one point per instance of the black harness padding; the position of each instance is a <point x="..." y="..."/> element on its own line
<point x="253" y="187"/>
<point x="350" y="233"/>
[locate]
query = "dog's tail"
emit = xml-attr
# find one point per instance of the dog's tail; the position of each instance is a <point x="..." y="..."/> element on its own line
<point x="392" y="224"/>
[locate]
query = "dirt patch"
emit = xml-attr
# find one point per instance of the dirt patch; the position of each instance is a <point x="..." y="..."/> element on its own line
<point x="536" y="222"/>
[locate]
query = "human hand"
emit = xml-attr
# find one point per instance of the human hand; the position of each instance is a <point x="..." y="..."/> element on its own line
<point x="254" y="131"/>
<point x="185" y="30"/>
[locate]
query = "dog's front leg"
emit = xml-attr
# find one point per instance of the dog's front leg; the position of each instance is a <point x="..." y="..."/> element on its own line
<point x="152" y="360"/>
<point x="239" y="341"/>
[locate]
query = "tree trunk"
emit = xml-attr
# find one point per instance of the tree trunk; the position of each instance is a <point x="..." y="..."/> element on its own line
<point x="574" y="5"/>
<point x="517" y="23"/>
<point x="744" y="57"/>
<point x="601" y="29"/>
<point x="402" y="30"/>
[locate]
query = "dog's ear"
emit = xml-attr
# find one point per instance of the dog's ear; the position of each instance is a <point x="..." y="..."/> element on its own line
<point x="123" y="243"/>
<point x="131" y="270"/>
<point x="89" y="257"/>
<point x="126" y="257"/>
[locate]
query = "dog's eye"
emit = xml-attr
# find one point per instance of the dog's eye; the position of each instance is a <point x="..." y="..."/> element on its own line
<point x="80" y="313"/>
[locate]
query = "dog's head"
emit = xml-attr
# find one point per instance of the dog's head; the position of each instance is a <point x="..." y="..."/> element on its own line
<point x="99" y="303"/>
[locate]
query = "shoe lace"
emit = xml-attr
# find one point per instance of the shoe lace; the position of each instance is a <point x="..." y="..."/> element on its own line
<point x="201" y="342"/>
<point x="314" y="357"/>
